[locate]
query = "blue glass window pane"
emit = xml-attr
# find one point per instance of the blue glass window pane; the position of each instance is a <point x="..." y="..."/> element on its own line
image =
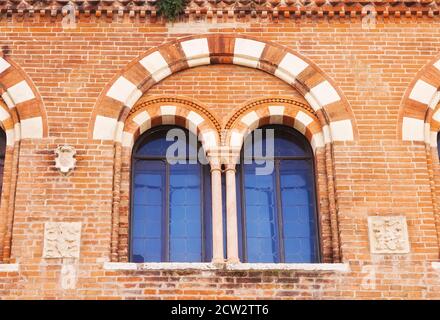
<point x="286" y="142"/>
<point x="185" y="213"/>
<point x="288" y="195"/>
<point x="298" y="202"/>
<point x="148" y="210"/>
<point x="261" y="230"/>
<point x="155" y="143"/>
<point x="170" y="222"/>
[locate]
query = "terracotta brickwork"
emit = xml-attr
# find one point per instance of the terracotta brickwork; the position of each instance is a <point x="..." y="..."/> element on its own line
<point x="366" y="99"/>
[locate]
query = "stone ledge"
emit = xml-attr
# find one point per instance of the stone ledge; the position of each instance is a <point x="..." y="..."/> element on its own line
<point x="337" y="267"/>
<point x="435" y="266"/>
<point x="9" y="267"/>
<point x="160" y="266"/>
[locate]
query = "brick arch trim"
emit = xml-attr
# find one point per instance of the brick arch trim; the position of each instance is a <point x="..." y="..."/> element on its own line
<point x="184" y="112"/>
<point x="418" y="118"/>
<point x="130" y="84"/>
<point x="276" y="111"/>
<point x="434" y="126"/>
<point x="23" y="114"/>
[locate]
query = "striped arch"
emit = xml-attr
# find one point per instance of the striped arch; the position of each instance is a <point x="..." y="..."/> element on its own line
<point x="125" y="89"/>
<point x="434" y="126"/>
<point x="156" y="111"/>
<point x="418" y="119"/>
<point x="276" y="111"/>
<point x="22" y="115"/>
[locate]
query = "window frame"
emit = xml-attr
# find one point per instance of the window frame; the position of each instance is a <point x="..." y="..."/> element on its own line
<point x="165" y="240"/>
<point x="279" y="214"/>
<point x="3" y="158"/>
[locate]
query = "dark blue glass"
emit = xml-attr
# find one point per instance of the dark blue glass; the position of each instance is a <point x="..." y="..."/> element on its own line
<point x="284" y="143"/>
<point x="170" y="219"/>
<point x="157" y="143"/>
<point x="148" y="210"/>
<point x="298" y="206"/>
<point x="277" y="220"/>
<point x="2" y="156"/>
<point x="261" y="220"/>
<point x="438" y="144"/>
<point x="185" y="213"/>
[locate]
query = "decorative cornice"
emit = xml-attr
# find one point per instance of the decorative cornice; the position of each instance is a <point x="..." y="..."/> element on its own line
<point x="190" y="104"/>
<point x="221" y="8"/>
<point x="258" y="102"/>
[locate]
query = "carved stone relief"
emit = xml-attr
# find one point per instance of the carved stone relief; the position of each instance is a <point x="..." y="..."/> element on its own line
<point x="388" y="234"/>
<point x="62" y="239"/>
<point x="65" y="159"/>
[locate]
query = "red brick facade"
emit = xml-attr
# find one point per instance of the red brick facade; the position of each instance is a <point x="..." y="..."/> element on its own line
<point x="371" y="94"/>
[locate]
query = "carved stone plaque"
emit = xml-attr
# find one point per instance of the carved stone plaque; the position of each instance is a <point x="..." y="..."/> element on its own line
<point x="388" y="235"/>
<point x="62" y="239"/>
<point x="65" y="159"/>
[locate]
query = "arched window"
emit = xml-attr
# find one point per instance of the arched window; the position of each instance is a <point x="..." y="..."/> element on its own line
<point x="277" y="218"/>
<point x="2" y="157"/>
<point x="438" y="145"/>
<point x="170" y="202"/>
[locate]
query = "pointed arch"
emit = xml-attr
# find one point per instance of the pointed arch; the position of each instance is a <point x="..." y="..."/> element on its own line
<point x="122" y="93"/>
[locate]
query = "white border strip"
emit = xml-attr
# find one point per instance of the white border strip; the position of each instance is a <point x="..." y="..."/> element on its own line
<point x="159" y="266"/>
<point x="9" y="267"/>
<point x="340" y="267"/>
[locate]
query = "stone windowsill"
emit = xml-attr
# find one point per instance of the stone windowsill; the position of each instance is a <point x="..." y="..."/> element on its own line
<point x="436" y="266"/>
<point x="336" y="267"/>
<point x="159" y="266"/>
<point x="9" y="267"/>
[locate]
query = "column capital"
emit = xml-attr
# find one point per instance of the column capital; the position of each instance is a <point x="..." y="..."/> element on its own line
<point x="223" y="155"/>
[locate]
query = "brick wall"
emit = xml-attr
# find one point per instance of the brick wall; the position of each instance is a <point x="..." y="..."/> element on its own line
<point x="376" y="174"/>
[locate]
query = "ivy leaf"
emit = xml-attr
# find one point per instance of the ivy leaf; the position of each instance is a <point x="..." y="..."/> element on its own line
<point x="171" y="9"/>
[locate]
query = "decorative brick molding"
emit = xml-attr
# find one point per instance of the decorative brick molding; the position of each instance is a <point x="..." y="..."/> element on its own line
<point x="275" y="9"/>
<point x="275" y="111"/>
<point x="154" y="111"/>
<point x="126" y="88"/>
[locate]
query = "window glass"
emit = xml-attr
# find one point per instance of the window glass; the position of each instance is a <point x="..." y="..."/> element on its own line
<point x="171" y="207"/>
<point x="277" y="218"/>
